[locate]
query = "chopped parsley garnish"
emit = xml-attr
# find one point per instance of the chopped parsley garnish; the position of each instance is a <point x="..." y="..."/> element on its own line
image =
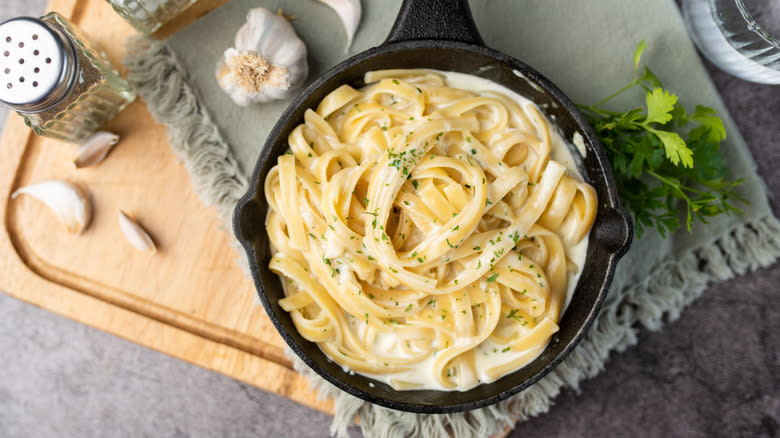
<point x="513" y="314"/>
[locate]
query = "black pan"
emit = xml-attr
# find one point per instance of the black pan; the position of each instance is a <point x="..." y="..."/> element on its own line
<point x="441" y="34"/>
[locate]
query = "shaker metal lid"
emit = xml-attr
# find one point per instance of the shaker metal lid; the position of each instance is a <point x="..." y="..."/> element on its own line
<point x="33" y="64"/>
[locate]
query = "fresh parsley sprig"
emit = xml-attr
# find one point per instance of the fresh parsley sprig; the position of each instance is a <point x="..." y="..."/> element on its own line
<point x="663" y="157"/>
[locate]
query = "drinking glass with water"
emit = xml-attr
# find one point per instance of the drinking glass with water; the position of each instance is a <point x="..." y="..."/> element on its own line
<point x="741" y="37"/>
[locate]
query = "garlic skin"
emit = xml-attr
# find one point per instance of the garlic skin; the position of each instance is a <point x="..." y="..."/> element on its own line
<point x="94" y="149"/>
<point x="267" y="63"/>
<point x="349" y="11"/>
<point x="69" y="202"/>
<point x="136" y="235"/>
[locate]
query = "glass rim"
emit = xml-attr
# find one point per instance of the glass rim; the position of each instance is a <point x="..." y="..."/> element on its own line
<point x="754" y="26"/>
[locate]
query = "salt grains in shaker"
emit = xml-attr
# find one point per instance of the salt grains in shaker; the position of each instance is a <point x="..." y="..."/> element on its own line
<point x="56" y="79"/>
<point x="148" y="15"/>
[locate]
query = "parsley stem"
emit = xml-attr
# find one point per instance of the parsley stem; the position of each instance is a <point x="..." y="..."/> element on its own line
<point x="615" y="94"/>
<point x="598" y="111"/>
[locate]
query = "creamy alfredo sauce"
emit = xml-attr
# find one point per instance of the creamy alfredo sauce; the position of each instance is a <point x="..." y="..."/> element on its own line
<point x="488" y="354"/>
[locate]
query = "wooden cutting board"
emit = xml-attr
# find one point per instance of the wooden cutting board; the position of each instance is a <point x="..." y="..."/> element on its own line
<point x="189" y="300"/>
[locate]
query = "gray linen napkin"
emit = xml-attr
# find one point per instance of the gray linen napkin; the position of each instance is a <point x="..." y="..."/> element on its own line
<point x="585" y="48"/>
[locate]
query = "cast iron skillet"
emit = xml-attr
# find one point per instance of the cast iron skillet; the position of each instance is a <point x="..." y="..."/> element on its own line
<point x="441" y="34"/>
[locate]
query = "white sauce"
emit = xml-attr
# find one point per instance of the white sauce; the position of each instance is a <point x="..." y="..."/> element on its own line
<point x="579" y="141"/>
<point x="517" y="73"/>
<point x="559" y="151"/>
<point x="488" y="354"/>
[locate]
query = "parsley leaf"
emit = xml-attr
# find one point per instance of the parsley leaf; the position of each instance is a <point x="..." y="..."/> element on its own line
<point x="660" y="104"/>
<point x="638" y="53"/>
<point x="663" y="157"/>
<point x="676" y="149"/>
<point x="709" y="122"/>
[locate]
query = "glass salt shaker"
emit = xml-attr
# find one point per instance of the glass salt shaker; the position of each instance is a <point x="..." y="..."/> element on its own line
<point x="148" y="15"/>
<point x="56" y="79"/>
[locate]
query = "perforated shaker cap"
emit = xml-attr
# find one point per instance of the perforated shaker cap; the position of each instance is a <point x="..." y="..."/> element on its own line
<point x="37" y="65"/>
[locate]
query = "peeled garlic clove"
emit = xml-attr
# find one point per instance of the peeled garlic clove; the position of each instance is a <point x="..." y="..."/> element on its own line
<point x="136" y="235"/>
<point x="267" y="63"/>
<point x="349" y="11"/>
<point x="94" y="149"/>
<point x="69" y="202"/>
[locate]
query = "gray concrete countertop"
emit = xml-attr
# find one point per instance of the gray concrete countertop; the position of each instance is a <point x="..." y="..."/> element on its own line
<point x="715" y="372"/>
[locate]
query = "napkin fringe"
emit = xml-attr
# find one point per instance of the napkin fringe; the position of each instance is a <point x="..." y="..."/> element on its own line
<point x="663" y="295"/>
<point x="215" y="174"/>
<point x="659" y="298"/>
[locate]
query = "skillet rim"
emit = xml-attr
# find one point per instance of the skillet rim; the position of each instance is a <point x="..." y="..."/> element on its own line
<point x="621" y="218"/>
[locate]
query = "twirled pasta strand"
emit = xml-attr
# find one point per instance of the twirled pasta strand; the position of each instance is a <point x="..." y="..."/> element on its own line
<point x="415" y="226"/>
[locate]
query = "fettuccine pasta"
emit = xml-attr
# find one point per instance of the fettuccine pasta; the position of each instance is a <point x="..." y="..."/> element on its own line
<point x="423" y="233"/>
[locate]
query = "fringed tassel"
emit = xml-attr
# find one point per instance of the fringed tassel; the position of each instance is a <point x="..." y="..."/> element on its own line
<point x="673" y="286"/>
<point x="215" y="174"/>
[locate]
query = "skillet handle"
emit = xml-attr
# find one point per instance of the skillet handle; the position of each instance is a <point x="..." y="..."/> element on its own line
<point x="615" y="230"/>
<point x="448" y="20"/>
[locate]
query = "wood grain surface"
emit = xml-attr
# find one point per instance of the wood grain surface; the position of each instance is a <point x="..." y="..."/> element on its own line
<point x="190" y="300"/>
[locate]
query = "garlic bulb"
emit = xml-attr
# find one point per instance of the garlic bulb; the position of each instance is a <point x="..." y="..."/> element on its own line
<point x="69" y="202"/>
<point x="349" y="12"/>
<point x="267" y="63"/>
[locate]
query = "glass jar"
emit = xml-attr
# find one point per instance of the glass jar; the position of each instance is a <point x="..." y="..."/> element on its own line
<point x="56" y="79"/>
<point x="148" y="15"/>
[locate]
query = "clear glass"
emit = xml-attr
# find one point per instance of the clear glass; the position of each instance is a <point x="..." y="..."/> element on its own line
<point x="148" y="15"/>
<point x="99" y="94"/>
<point x="741" y="37"/>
